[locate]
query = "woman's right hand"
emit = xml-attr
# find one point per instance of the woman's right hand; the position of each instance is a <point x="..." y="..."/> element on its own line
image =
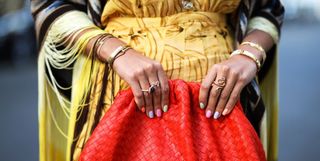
<point x="140" y="73"/>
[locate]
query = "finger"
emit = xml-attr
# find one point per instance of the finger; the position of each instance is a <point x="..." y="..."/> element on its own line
<point x="138" y="95"/>
<point x="164" y="90"/>
<point x="213" y="97"/>
<point x="144" y="83"/>
<point x="156" y="95"/>
<point x="215" y="92"/>
<point x="225" y="94"/>
<point x="234" y="97"/>
<point x="205" y="88"/>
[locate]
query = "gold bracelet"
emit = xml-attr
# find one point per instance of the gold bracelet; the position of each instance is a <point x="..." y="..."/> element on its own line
<point x="101" y="41"/>
<point x="258" y="47"/>
<point x="116" y="52"/>
<point x="249" y="55"/>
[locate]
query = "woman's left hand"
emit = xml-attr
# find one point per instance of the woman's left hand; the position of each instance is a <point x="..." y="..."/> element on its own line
<point x="221" y="88"/>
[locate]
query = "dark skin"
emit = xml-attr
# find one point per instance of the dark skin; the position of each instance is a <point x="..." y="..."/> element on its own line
<point x="238" y="70"/>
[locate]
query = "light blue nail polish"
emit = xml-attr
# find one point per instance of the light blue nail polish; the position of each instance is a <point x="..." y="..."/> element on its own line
<point x="216" y="115"/>
<point x="151" y="114"/>
<point x="202" y="105"/>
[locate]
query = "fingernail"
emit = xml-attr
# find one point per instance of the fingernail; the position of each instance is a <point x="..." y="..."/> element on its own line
<point x="151" y="114"/>
<point x="165" y="108"/>
<point x="208" y="114"/>
<point x="225" y="112"/>
<point x="158" y="113"/>
<point x="216" y="115"/>
<point x="202" y="105"/>
<point x="143" y="109"/>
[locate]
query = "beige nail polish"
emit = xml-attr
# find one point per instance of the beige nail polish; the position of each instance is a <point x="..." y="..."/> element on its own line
<point x="225" y="112"/>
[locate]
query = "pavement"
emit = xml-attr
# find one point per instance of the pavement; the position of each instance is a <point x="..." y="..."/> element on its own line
<point x="299" y="100"/>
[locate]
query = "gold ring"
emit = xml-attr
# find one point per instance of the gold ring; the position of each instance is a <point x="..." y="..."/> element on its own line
<point x="157" y="83"/>
<point x="220" y="82"/>
<point x="152" y="88"/>
<point x="218" y="89"/>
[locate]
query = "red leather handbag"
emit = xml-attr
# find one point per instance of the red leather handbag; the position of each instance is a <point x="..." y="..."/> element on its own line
<point x="183" y="133"/>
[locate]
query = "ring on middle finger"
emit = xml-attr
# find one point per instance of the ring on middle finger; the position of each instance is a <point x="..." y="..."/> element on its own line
<point x="151" y="89"/>
<point x="157" y="84"/>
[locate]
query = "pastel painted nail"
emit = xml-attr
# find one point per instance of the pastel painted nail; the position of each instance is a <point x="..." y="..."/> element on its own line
<point x="225" y="112"/>
<point x="208" y="114"/>
<point x="165" y="108"/>
<point x="216" y="115"/>
<point x="143" y="109"/>
<point x="158" y="113"/>
<point x="151" y="114"/>
<point x="202" y="105"/>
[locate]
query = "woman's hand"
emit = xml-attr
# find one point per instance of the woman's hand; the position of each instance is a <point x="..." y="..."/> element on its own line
<point x="221" y="88"/>
<point x="141" y="73"/>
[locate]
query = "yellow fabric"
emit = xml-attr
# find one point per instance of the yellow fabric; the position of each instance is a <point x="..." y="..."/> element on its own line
<point x="269" y="89"/>
<point x="57" y="114"/>
<point x="186" y="43"/>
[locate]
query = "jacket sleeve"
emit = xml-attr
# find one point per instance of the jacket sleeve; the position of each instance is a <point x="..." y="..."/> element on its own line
<point x="45" y="12"/>
<point x="267" y="16"/>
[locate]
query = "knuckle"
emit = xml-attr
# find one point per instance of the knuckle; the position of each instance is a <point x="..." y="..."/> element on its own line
<point x="139" y="95"/>
<point x="165" y="89"/>
<point x="216" y="66"/>
<point x="150" y="67"/>
<point x="205" y="86"/>
<point x="138" y="72"/>
<point x="225" y="68"/>
<point x="224" y="97"/>
<point x="234" y="97"/>
<point x="234" y="73"/>
<point x="131" y="77"/>
<point x="158" y="65"/>
<point x="242" y="79"/>
<point x="213" y="94"/>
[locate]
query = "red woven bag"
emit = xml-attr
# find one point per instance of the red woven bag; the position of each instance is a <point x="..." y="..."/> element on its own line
<point x="183" y="133"/>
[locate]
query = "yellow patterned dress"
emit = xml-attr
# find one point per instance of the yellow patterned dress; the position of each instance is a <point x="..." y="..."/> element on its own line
<point x="187" y="41"/>
<point x="186" y="37"/>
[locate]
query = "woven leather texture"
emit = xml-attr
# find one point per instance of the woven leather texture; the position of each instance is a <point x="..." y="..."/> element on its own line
<point x="181" y="134"/>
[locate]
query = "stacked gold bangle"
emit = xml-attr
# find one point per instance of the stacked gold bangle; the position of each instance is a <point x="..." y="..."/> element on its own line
<point x="98" y="44"/>
<point x="249" y="55"/>
<point x="121" y="50"/>
<point x="258" y="47"/>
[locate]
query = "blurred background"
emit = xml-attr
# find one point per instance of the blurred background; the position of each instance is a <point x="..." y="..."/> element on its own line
<point x="299" y="82"/>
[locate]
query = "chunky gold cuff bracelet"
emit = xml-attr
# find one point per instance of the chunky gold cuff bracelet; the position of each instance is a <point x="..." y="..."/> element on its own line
<point x="121" y="50"/>
<point x="247" y="54"/>
<point x="258" y="47"/>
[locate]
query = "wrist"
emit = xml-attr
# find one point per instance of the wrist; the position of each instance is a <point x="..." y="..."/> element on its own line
<point x="249" y="55"/>
<point x="257" y="53"/>
<point x="109" y="47"/>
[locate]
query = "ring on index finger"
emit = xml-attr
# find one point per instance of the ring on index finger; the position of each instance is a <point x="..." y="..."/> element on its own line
<point x="220" y="83"/>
